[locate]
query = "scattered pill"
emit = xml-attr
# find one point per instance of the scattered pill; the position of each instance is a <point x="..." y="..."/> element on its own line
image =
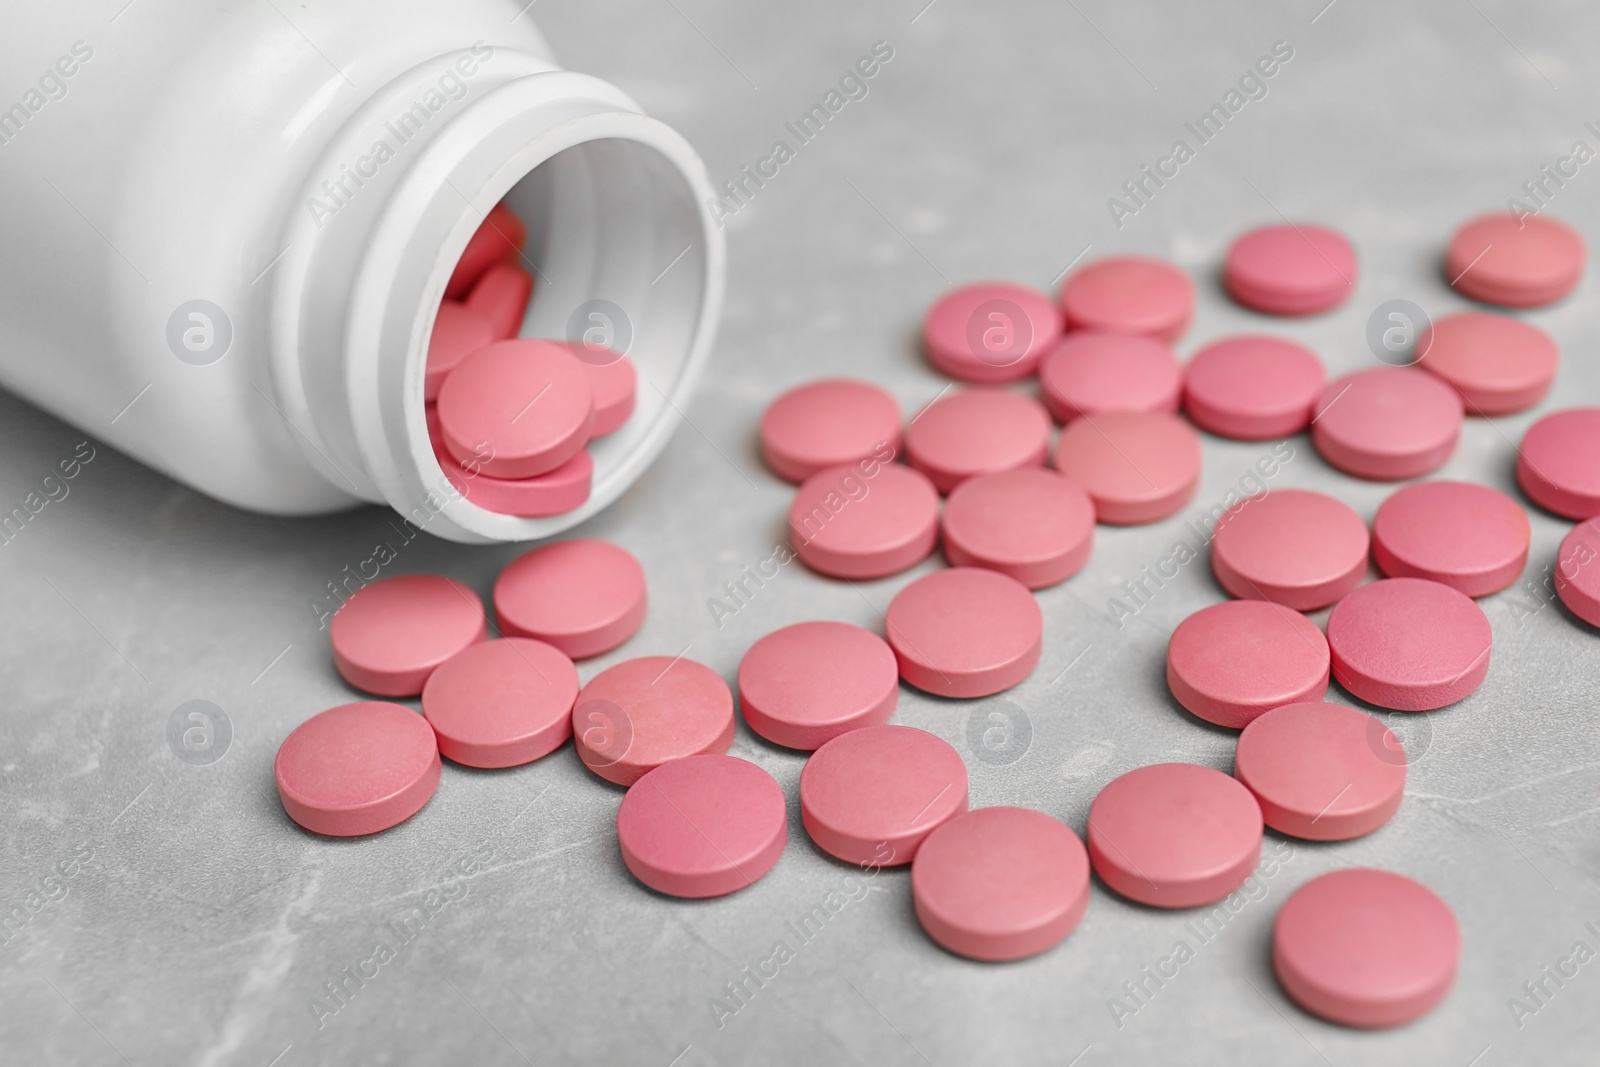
<point x="1231" y="662"/>
<point x="584" y="596"/>
<point x="1295" y="547"/>
<point x="520" y="407"/>
<point x="498" y="239"/>
<point x="1515" y="261"/>
<point x="1409" y="644"/>
<point x="1137" y="466"/>
<point x="977" y="431"/>
<point x="1000" y="883"/>
<point x="965" y="632"/>
<point x="1558" y="465"/>
<point x="1253" y="387"/>
<point x="1088" y="372"/>
<point x="1366" y="948"/>
<point x="357" y="769"/>
<point x="1129" y="295"/>
<point x="390" y="635"/>
<point x="1498" y="364"/>
<point x="615" y="381"/>
<point x="1468" y="536"/>
<point x="501" y="703"/>
<point x="1033" y="524"/>
<point x="1387" y="423"/>
<point x="806" y="684"/>
<point x="458" y="331"/>
<point x="641" y="713"/>
<point x="990" y="331"/>
<point x="828" y="423"/>
<point x="871" y="796"/>
<point x="501" y="297"/>
<point x="1293" y="269"/>
<point x="1577" y="573"/>
<point x="848" y="524"/>
<point x="551" y="493"/>
<point x="702" y="826"/>
<point x="1174" y="835"/>
<point x="1322" y="772"/>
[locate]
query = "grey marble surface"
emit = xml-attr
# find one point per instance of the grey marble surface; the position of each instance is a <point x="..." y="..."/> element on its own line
<point x="172" y="914"/>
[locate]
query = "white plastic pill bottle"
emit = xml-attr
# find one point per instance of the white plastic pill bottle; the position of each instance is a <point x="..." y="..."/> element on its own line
<point x="225" y="229"/>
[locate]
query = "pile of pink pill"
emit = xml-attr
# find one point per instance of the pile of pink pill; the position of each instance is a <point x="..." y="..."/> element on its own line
<point x="1358" y="946"/>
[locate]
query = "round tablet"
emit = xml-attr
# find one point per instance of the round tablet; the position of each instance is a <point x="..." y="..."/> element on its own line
<point x="872" y="795"/>
<point x="519" y="407"/>
<point x="1138" y="466"/>
<point x="1498" y="364"/>
<point x="390" y="635"/>
<point x="357" y="769"/>
<point x="965" y="632"/>
<point x="1231" y="662"/>
<point x="1253" y="387"/>
<point x="806" y="684"/>
<point x="1000" y="883"/>
<point x="1089" y="371"/>
<point x="1515" y="262"/>
<point x="1129" y="295"/>
<point x="1557" y="465"/>
<point x="826" y="424"/>
<point x="1367" y="948"/>
<point x="458" y="331"/>
<point x="1290" y="269"/>
<point x="1323" y="772"/>
<point x="501" y="703"/>
<point x="551" y="493"/>
<point x="641" y="713"/>
<point x="1174" y="835"/>
<point x="845" y="525"/>
<point x="1033" y="524"/>
<point x="702" y="826"/>
<point x="1577" y="574"/>
<point x="1409" y="644"/>
<point x="501" y="297"/>
<point x="615" y="381"/>
<point x="1387" y="423"/>
<point x="584" y="596"/>
<point x="1296" y="547"/>
<point x="977" y="431"/>
<point x="1468" y="536"/>
<point x="498" y="238"/>
<point x="990" y="331"/>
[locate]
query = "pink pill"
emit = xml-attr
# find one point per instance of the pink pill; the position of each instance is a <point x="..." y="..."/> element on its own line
<point x="965" y="632"/>
<point x="1366" y="948"/>
<point x="615" y="381"/>
<point x="806" y="684"/>
<point x="1558" y="465"/>
<point x="990" y="331"/>
<point x="1577" y="573"/>
<point x="1409" y="644"/>
<point x="1468" y="536"/>
<point x="1231" y="662"/>
<point x="1295" y="547"/>
<point x="1088" y="372"/>
<point x="641" y="713"/>
<point x="390" y="635"/>
<point x="499" y="238"/>
<point x="871" y="796"/>
<point x="828" y="423"/>
<point x="584" y="596"/>
<point x="1174" y="835"/>
<point x="1498" y="364"/>
<point x="501" y="703"/>
<point x="1137" y="466"/>
<point x="519" y="407"/>
<point x="551" y="493"/>
<point x="977" y="431"/>
<point x="1293" y="269"/>
<point x="1000" y="883"/>
<point x="1500" y="258"/>
<point x="847" y="524"/>
<point x="458" y="331"/>
<point x="702" y="826"/>
<point x="1387" y="423"/>
<point x="1253" y="387"/>
<point x="357" y="769"/>
<point x="1323" y="772"/>
<point x="1129" y="295"/>
<point x="501" y="297"/>
<point x="1033" y="524"/>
